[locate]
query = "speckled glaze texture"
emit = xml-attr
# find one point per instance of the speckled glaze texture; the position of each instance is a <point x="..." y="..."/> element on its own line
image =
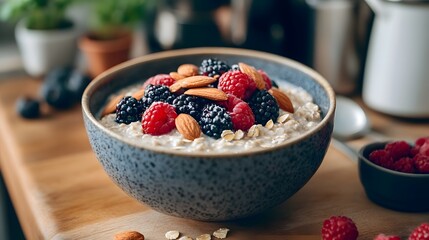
<point x="208" y="187"/>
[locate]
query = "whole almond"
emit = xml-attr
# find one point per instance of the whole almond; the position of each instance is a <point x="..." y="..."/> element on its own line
<point x="187" y="126"/>
<point x="208" y="93"/>
<point x="176" y="86"/>
<point x="282" y="99"/>
<point x="139" y="94"/>
<point x="176" y="76"/>
<point x="129" y="235"/>
<point x="197" y="81"/>
<point x="187" y="70"/>
<point x="253" y="74"/>
<point x="111" y="105"/>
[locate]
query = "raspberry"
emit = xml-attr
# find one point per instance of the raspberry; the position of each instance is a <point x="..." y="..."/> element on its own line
<point x="214" y="120"/>
<point x="157" y="93"/>
<point x="424" y="149"/>
<point x="339" y="228"/>
<point x="212" y="66"/>
<point x="405" y="164"/>
<point x="398" y="149"/>
<point x="160" y="79"/>
<point x="264" y="106"/>
<point x="382" y="158"/>
<point x="386" y="237"/>
<point x="159" y="119"/>
<point x="267" y="79"/>
<point x="420" y="233"/>
<point x="191" y="105"/>
<point x="241" y="114"/>
<point x="421" y="163"/>
<point x="419" y="142"/>
<point x="237" y="84"/>
<point x="129" y="110"/>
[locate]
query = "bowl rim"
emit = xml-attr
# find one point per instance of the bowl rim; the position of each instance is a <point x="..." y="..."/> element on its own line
<point x="362" y="158"/>
<point x="103" y="78"/>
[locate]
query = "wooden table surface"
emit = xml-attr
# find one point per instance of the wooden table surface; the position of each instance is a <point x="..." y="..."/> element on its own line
<point x="60" y="191"/>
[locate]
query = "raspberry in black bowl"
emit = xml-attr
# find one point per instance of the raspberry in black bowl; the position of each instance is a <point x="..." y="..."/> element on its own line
<point x="396" y="174"/>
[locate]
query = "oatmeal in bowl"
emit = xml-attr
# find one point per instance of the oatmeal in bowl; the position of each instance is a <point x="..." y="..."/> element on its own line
<point x="209" y="133"/>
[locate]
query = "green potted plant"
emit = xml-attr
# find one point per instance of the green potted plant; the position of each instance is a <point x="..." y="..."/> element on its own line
<point x="45" y="36"/>
<point x="109" y="40"/>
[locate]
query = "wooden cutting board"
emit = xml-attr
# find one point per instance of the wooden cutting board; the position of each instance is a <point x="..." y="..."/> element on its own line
<point x="60" y="191"/>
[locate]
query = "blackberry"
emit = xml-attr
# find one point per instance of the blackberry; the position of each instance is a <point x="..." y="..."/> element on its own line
<point x="129" y="110"/>
<point x="211" y="67"/>
<point x="28" y="107"/>
<point x="191" y="105"/>
<point x="264" y="106"/>
<point x="214" y="120"/>
<point x="157" y="93"/>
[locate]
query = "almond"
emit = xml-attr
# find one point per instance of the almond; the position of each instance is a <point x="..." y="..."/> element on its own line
<point x="176" y="76"/>
<point x="176" y="86"/>
<point x="129" y="235"/>
<point x="139" y="94"/>
<point x="208" y="93"/>
<point x="111" y="105"/>
<point x="187" y="70"/>
<point x="188" y="126"/>
<point x="282" y="99"/>
<point x="197" y="81"/>
<point x="253" y="74"/>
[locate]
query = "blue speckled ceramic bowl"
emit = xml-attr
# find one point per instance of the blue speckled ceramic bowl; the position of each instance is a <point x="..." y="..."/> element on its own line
<point x="209" y="187"/>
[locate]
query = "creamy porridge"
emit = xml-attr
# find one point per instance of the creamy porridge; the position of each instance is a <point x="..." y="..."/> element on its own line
<point x="304" y="116"/>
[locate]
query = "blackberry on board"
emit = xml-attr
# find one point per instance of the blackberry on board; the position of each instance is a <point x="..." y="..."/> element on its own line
<point x="264" y="106"/>
<point x="191" y="105"/>
<point x="129" y="110"/>
<point x="214" y="120"/>
<point x="157" y="93"/>
<point x="212" y="66"/>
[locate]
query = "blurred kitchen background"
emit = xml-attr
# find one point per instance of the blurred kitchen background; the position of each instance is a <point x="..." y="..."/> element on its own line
<point x="328" y="35"/>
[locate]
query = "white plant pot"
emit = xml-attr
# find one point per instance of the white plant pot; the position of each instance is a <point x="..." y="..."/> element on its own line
<point x="44" y="50"/>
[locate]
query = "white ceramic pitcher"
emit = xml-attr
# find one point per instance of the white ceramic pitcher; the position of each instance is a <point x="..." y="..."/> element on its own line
<point x="396" y="78"/>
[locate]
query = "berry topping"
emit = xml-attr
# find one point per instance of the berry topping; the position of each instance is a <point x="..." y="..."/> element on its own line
<point x="405" y="164"/>
<point x="267" y="79"/>
<point x="237" y="83"/>
<point x="129" y="110"/>
<point x="421" y="163"/>
<point x="157" y="93"/>
<point x="212" y="67"/>
<point x="241" y="114"/>
<point x="339" y="228"/>
<point x="264" y="106"/>
<point x="191" y="105"/>
<point x="28" y="107"/>
<point x="160" y="79"/>
<point x="214" y="120"/>
<point x="386" y="237"/>
<point x="398" y="149"/>
<point x="159" y="119"/>
<point x="420" y="233"/>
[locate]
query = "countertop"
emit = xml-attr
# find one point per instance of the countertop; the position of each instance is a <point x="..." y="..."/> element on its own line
<point x="60" y="191"/>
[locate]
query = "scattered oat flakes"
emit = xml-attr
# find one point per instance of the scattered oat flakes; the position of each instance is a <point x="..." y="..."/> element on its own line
<point x="185" y="238"/>
<point x="204" y="237"/>
<point x="283" y="118"/>
<point x="228" y="135"/>
<point x="253" y="131"/>
<point x="238" y="135"/>
<point x="172" y="234"/>
<point x="269" y="124"/>
<point x="221" y="233"/>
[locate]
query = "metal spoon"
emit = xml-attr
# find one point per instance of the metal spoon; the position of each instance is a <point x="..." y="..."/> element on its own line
<point x="350" y="122"/>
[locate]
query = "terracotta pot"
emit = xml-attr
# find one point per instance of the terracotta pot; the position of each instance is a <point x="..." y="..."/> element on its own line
<point x="104" y="54"/>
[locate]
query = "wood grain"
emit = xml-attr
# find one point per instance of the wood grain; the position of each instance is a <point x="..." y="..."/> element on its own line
<point x="60" y="191"/>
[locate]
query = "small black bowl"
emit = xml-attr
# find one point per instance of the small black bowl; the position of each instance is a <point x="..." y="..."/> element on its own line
<point x="400" y="191"/>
